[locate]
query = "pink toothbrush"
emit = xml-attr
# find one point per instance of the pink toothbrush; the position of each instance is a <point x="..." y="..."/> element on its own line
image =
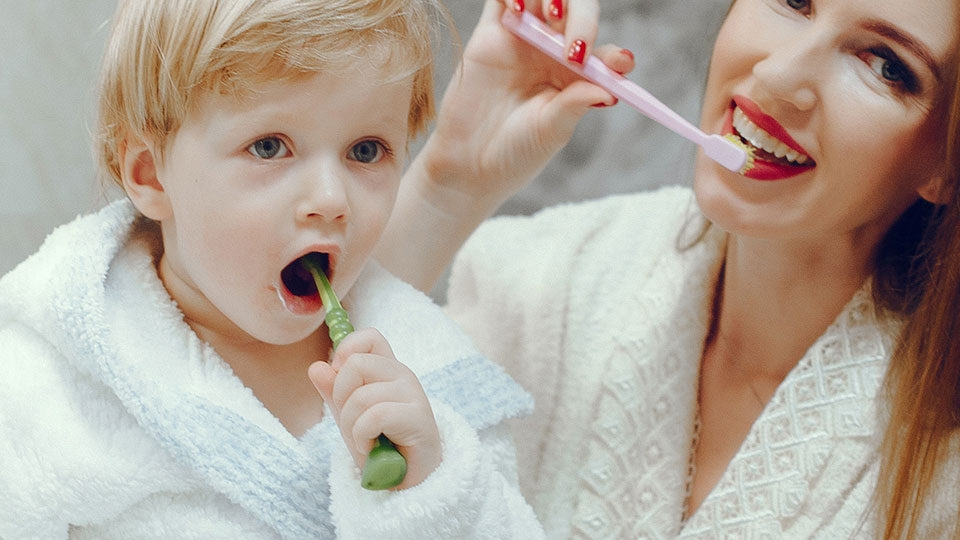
<point x="727" y="151"/>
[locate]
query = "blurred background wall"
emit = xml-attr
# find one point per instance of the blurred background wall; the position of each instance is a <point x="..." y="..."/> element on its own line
<point x="51" y="49"/>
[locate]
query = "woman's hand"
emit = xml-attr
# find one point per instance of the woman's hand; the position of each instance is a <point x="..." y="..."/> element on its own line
<point x="370" y="392"/>
<point x="508" y="109"/>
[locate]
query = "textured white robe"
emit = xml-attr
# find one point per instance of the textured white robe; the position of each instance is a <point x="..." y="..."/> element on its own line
<point x="595" y="310"/>
<point x="117" y="421"/>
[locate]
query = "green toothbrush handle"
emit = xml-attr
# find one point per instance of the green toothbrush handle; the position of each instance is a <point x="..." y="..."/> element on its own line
<point x="385" y="466"/>
<point x="338" y="325"/>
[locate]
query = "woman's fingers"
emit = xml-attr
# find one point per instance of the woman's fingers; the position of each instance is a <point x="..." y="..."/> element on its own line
<point x="578" y="22"/>
<point x="616" y="58"/>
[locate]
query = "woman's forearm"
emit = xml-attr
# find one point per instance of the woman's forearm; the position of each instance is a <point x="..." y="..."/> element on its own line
<point x="430" y="221"/>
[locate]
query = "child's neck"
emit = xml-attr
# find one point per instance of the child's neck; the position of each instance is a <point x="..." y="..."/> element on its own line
<point x="277" y="375"/>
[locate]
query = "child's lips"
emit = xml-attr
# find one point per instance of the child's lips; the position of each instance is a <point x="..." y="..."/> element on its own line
<point x="297" y="287"/>
<point x="299" y="305"/>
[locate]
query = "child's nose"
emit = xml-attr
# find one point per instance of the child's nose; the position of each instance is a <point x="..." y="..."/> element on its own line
<point x="324" y="196"/>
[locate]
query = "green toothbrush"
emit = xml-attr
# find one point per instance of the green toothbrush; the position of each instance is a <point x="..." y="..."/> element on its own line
<point x="385" y="466"/>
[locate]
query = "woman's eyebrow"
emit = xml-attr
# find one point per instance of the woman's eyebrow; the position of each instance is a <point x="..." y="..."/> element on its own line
<point x="906" y="40"/>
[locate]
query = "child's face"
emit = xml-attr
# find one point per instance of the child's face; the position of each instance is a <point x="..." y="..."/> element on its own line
<point x="310" y="165"/>
<point x="854" y="83"/>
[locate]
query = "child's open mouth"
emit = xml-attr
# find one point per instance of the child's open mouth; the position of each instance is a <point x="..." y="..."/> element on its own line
<point x="298" y="288"/>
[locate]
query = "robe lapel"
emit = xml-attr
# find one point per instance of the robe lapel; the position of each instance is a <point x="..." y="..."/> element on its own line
<point x="814" y="440"/>
<point x="123" y="328"/>
<point x="633" y="482"/>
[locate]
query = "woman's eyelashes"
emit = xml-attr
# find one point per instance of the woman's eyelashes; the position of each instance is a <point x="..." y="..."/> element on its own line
<point x="368" y="151"/>
<point x="269" y="148"/>
<point x="891" y="69"/>
<point x="888" y="66"/>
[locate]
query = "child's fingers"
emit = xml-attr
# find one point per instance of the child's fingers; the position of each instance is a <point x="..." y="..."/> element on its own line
<point x="405" y="424"/>
<point x="360" y="400"/>
<point x="370" y="395"/>
<point x="323" y="377"/>
<point x="411" y="428"/>
<point x="362" y="341"/>
<point x="363" y="369"/>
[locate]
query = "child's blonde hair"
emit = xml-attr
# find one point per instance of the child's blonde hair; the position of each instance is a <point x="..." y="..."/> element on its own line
<point x="162" y="53"/>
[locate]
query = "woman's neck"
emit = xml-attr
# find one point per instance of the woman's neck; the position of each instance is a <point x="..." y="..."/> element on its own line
<point x="778" y="297"/>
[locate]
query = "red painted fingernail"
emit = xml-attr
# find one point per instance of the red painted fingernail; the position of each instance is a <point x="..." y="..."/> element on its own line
<point x="556" y="9"/>
<point x="627" y="53"/>
<point x="602" y="104"/>
<point x="518" y="6"/>
<point x="577" y="51"/>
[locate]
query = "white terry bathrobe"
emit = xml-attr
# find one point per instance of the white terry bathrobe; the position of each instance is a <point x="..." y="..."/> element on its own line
<point x="117" y="421"/>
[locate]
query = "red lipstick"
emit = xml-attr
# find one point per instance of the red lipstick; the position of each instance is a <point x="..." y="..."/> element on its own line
<point x="766" y="169"/>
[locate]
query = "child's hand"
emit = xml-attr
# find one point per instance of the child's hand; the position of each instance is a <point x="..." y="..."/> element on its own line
<point x="370" y="392"/>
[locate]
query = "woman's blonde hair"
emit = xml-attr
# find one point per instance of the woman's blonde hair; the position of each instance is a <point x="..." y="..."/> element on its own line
<point x="162" y="53"/>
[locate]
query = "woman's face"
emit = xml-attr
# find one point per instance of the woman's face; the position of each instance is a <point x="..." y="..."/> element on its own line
<point x="848" y="92"/>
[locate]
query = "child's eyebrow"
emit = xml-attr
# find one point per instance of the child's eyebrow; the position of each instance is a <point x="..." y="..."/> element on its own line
<point x="907" y="41"/>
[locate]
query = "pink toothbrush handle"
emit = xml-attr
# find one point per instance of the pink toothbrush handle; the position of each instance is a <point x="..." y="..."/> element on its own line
<point x="534" y="31"/>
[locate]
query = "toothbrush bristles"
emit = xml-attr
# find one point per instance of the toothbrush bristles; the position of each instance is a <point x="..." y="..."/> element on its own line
<point x="749" y="151"/>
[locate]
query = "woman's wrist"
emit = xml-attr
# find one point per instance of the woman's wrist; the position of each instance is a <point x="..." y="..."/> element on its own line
<point x="454" y="187"/>
<point x="435" y="212"/>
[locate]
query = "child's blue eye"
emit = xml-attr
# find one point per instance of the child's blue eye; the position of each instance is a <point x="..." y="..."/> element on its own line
<point x="798" y="4"/>
<point x="368" y="151"/>
<point x="268" y="148"/>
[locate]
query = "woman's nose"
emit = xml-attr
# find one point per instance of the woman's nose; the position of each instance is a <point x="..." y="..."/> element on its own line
<point x="792" y="70"/>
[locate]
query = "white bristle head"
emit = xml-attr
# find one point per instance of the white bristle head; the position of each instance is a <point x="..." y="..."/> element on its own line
<point x="730" y="153"/>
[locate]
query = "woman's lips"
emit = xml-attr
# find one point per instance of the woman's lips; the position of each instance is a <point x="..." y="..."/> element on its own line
<point x="764" y="169"/>
<point x="766" y="123"/>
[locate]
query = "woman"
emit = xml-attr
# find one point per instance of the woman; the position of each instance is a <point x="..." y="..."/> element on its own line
<point x="765" y="356"/>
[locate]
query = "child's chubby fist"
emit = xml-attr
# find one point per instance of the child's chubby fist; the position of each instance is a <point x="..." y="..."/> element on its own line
<point x="370" y="392"/>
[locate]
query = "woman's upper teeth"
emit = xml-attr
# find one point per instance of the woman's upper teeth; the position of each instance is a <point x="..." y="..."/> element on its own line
<point x="763" y="140"/>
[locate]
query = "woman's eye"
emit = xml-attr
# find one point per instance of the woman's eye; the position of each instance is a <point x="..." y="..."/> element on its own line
<point x="367" y="151"/>
<point x="269" y="148"/>
<point x="799" y="5"/>
<point x="893" y="71"/>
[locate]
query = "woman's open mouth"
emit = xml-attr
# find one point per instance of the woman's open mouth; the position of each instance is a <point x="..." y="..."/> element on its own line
<point x="776" y="155"/>
<point x="298" y="290"/>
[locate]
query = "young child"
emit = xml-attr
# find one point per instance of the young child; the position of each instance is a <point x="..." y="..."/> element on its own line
<point x="154" y="355"/>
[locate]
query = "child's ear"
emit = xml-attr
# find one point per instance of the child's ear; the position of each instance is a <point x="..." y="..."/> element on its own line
<point x="932" y="191"/>
<point x="140" y="180"/>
